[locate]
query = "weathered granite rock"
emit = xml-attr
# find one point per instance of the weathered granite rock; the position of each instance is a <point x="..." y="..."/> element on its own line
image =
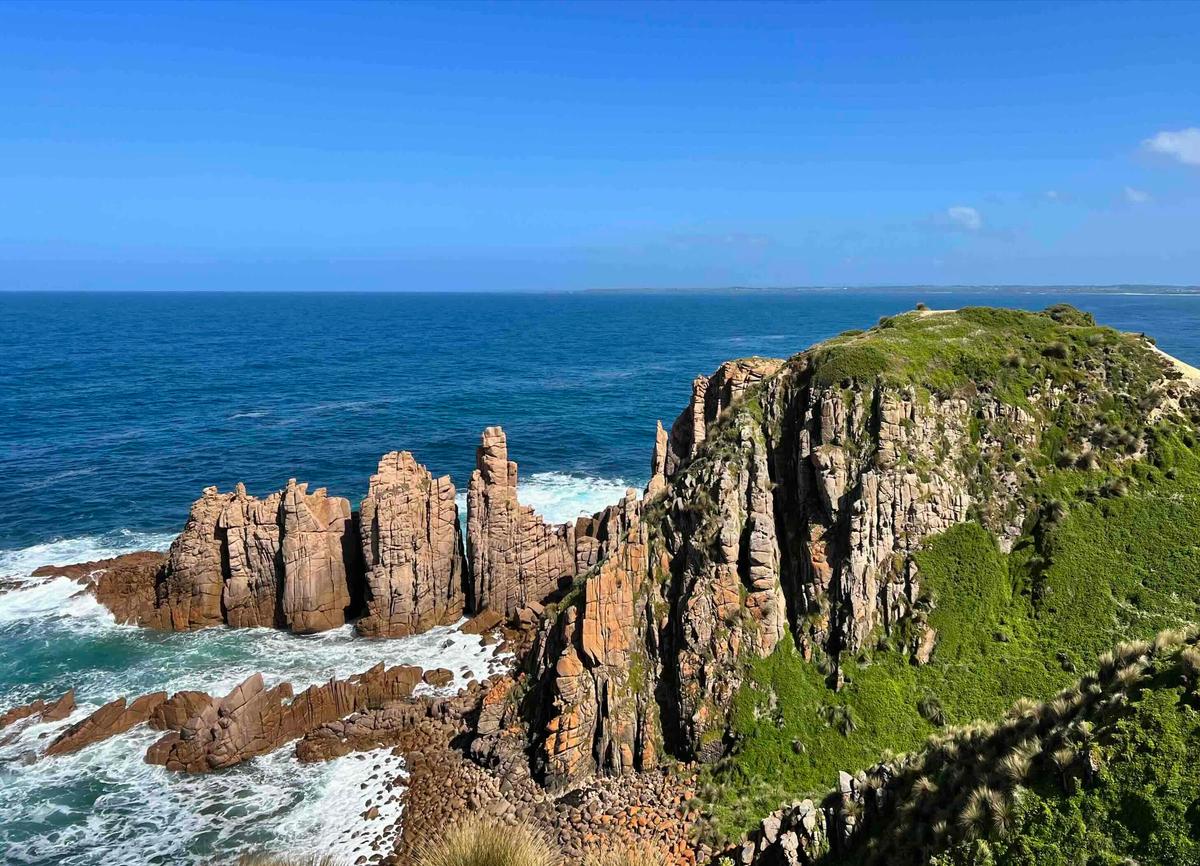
<point x="317" y="546"/>
<point x="793" y="518"/>
<point x="173" y="713"/>
<point x="711" y="395"/>
<point x="516" y="557"/>
<point x="249" y="532"/>
<point x="658" y="463"/>
<point x="54" y="711"/>
<point x="412" y="548"/>
<point x="111" y="719"/>
<point x="285" y="561"/>
<point x="189" y="588"/>
<point x="124" y="584"/>
<point x="253" y="720"/>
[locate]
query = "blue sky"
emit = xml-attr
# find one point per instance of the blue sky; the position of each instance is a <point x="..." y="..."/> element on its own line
<point x="567" y="146"/>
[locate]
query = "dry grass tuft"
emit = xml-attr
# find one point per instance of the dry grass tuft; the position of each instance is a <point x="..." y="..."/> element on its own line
<point x="478" y="842"/>
<point x="639" y="854"/>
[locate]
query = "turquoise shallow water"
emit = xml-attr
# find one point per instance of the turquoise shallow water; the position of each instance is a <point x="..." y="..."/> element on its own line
<point x="115" y="410"/>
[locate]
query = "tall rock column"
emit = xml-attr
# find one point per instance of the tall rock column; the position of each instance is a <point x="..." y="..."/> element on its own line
<point x="316" y="537"/>
<point x="412" y="548"/>
<point x="188" y="590"/>
<point x="517" y="559"/>
<point x="251" y="531"/>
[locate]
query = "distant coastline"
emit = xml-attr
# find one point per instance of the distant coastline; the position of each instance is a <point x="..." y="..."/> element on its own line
<point x="1116" y="289"/>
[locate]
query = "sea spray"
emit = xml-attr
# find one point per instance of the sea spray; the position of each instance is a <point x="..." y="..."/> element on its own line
<point x="105" y="804"/>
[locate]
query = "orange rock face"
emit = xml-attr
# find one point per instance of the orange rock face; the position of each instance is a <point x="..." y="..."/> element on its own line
<point x="603" y="717"/>
<point x="284" y="561"/>
<point x="412" y="550"/>
<point x="516" y="557"/>
<point x="55" y="711"/>
<point x="123" y="584"/>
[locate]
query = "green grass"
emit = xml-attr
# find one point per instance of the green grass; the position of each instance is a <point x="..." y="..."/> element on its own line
<point x="1009" y="626"/>
<point x="1008" y="351"/>
<point x="1144" y="806"/>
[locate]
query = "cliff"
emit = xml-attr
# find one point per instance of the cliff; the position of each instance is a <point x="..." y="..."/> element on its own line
<point x="796" y="590"/>
<point x="899" y="530"/>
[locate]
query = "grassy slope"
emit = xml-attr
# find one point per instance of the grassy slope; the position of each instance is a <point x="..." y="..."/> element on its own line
<point x="1143" y="807"/>
<point x="1009" y="626"/>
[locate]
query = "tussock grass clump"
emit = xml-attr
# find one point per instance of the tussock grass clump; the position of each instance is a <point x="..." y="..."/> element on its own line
<point x="286" y="860"/>
<point x="479" y="842"/>
<point x="635" y="854"/>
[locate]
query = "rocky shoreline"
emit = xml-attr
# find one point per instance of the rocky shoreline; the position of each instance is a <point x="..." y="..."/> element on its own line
<point x="786" y="504"/>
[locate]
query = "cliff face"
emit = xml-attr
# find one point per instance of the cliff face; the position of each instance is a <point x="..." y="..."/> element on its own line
<point x="284" y="561"/>
<point x="412" y="547"/>
<point x="786" y="503"/>
<point x="517" y="559"/>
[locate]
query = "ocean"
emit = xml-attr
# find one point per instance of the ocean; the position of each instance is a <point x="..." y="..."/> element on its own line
<point x="117" y="409"/>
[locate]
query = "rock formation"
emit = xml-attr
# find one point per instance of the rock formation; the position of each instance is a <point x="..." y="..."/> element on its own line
<point x="123" y="584"/>
<point x="111" y="719"/>
<point x="412" y="549"/>
<point x="786" y="505"/>
<point x="253" y="719"/>
<point x="516" y="557"/>
<point x="711" y="395"/>
<point x="54" y="711"/>
<point x="288" y="560"/>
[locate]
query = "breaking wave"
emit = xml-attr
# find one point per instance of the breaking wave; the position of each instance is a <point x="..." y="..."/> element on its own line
<point x="105" y="804"/>
<point x="559" y="496"/>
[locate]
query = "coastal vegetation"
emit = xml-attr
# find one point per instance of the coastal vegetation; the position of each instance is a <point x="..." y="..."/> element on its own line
<point x="1107" y="771"/>
<point x="1107" y="552"/>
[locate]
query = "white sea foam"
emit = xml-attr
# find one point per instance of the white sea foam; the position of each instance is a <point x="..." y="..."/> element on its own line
<point x="559" y="497"/>
<point x="20" y="562"/>
<point x="106" y="805"/>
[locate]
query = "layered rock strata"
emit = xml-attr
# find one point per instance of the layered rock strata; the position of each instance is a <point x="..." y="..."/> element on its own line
<point x="412" y="549"/>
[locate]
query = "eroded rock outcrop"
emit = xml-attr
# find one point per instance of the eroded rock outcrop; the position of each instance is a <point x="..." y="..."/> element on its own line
<point x="594" y="666"/>
<point x="787" y="505"/>
<point x="412" y="550"/>
<point x="124" y="584"/>
<point x="516" y="557"/>
<point x="113" y="718"/>
<point x="288" y="560"/>
<point x="711" y="395"/>
<point x="255" y="719"/>
<point x="41" y="710"/>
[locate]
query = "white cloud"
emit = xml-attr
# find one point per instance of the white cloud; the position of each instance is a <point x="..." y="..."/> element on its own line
<point x="1182" y="144"/>
<point x="965" y="217"/>
<point x="1136" y="196"/>
<point x="1052" y="194"/>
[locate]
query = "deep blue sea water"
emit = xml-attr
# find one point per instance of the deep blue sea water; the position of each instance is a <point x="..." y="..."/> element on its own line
<point x="116" y="409"/>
